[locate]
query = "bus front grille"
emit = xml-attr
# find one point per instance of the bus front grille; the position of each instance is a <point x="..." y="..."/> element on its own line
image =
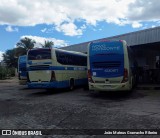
<point x="99" y="81"/>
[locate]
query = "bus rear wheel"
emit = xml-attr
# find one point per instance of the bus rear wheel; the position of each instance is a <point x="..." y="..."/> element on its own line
<point x="71" y="85"/>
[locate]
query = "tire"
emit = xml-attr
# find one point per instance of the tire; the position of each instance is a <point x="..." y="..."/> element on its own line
<point x="71" y="85"/>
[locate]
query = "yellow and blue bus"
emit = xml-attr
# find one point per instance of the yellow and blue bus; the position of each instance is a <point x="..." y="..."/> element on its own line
<point x="22" y="69"/>
<point x="56" y="68"/>
<point x="111" y="66"/>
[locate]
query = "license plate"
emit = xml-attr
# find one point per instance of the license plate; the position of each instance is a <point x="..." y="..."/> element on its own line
<point x="107" y="86"/>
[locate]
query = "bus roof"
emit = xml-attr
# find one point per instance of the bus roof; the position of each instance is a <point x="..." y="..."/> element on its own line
<point x="75" y="52"/>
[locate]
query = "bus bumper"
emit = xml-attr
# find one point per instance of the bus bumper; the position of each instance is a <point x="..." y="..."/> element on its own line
<point x="56" y="84"/>
<point x="46" y="85"/>
<point x="110" y="87"/>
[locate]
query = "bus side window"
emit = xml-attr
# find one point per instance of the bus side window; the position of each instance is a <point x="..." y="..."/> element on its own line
<point x="66" y="58"/>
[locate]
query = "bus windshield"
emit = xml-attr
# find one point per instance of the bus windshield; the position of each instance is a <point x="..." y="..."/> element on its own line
<point x="22" y="63"/>
<point x="39" y="54"/>
<point x="22" y="59"/>
<point x="107" y="59"/>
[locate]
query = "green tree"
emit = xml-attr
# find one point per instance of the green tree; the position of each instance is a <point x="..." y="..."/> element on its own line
<point x="47" y="44"/>
<point x="9" y="58"/>
<point x="23" y="46"/>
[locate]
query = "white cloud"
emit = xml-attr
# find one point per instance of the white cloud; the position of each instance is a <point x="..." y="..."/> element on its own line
<point x="69" y="29"/>
<point x="144" y="10"/>
<point x="136" y="25"/>
<point x="47" y="30"/>
<point x="11" y="29"/>
<point x="40" y="40"/>
<point x="44" y="30"/>
<point x="63" y="14"/>
<point x="83" y="27"/>
<point x="1" y="55"/>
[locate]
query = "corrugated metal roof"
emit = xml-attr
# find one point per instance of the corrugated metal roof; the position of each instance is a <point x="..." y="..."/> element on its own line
<point x="146" y="36"/>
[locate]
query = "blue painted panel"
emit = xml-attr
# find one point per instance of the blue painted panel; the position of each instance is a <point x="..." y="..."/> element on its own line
<point x="22" y="66"/>
<point x="55" y="84"/>
<point x="23" y="73"/>
<point x="55" y="68"/>
<point x="107" y="59"/>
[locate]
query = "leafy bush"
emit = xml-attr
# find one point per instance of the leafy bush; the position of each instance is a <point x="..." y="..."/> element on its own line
<point x="6" y="72"/>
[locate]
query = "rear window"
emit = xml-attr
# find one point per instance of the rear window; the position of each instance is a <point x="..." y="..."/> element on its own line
<point x="39" y="54"/>
<point x="106" y="48"/>
<point x="107" y="59"/>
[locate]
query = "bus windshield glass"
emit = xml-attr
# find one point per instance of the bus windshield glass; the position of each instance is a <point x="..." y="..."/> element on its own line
<point x="39" y="54"/>
<point x="22" y="63"/>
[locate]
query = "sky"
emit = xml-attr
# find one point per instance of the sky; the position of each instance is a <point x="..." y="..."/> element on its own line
<point x="69" y="22"/>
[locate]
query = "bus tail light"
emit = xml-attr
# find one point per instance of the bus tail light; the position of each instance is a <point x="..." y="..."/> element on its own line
<point x="53" y="76"/>
<point x="90" y="76"/>
<point x="125" y="77"/>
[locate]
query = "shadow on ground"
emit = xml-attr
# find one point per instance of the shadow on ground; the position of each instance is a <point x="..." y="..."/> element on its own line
<point x="117" y="96"/>
<point x="48" y="92"/>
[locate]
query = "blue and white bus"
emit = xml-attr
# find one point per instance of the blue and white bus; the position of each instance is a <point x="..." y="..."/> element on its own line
<point x="56" y="68"/>
<point x="22" y="69"/>
<point x="111" y="66"/>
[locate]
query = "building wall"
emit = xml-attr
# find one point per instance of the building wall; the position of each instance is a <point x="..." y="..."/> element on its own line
<point x="146" y="44"/>
<point x="146" y="36"/>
